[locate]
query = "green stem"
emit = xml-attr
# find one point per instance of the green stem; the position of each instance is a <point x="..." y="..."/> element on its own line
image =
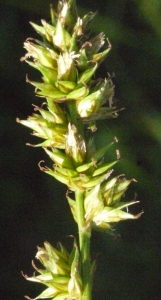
<point x="74" y="119"/>
<point x="84" y="245"/>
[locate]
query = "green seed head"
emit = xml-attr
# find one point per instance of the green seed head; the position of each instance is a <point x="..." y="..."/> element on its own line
<point x="75" y="146"/>
<point x="60" y="273"/>
<point x="67" y="58"/>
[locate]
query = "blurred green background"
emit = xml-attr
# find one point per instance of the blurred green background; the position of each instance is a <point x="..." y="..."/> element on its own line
<point x="33" y="205"/>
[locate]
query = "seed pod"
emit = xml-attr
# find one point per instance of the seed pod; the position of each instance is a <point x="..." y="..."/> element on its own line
<point x="65" y="86"/>
<point x="61" y="38"/>
<point x="87" y="75"/>
<point x="75" y="145"/>
<point x="66" y="67"/>
<point x="93" y="203"/>
<point x="60" y="158"/>
<point x="90" y="104"/>
<point x="39" y="29"/>
<point x="78" y="93"/>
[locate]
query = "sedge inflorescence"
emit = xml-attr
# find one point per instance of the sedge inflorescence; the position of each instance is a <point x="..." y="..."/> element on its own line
<point x="67" y="56"/>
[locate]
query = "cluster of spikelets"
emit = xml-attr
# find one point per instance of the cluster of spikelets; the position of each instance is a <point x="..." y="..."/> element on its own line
<point x="67" y="58"/>
<point x="60" y="273"/>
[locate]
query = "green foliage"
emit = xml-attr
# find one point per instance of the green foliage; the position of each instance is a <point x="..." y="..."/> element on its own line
<point x="135" y="60"/>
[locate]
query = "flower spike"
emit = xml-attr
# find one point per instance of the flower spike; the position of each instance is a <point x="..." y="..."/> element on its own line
<point x="74" y="100"/>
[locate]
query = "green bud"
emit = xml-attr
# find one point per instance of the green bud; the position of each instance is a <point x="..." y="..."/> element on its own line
<point x="50" y="75"/>
<point x="114" y="189"/>
<point x="51" y="120"/>
<point x="52" y="260"/>
<point x="94" y="44"/>
<point x="60" y="273"/>
<point x="65" y="86"/>
<point x="68" y="13"/>
<point x="40" y="53"/>
<point x="82" y="60"/>
<point x="93" y="181"/>
<point x="59" y="253"/>
<point x="97" y="155"/>
<point x="78" y="93"/>
<point x="95" y="100"/>
<point x="112" y="215"/>
<point x="49" y="29"/>
<point x="41" y="85"/>
<point x="56" y="111"/>
<point x="112" y="210"/>
<point x="75" y="146"/>
<point x="85" y="167"/>
<point x="53" y="133"/>
<point x="75" y="282"/>
<point x="107" y="186"/>
<point x="86" y="76"/>
<point x="103" y="168"/>
<point x="53" y="15"/>
<point x="93" y="203"/>
<point x="54" y="173"/>
<point x="60" y="158"/>
<point x="72" y="205"/>
<point x="39" y="29"/>
<point x="54" y="94"/>
<point x="48" y="293"/>
<point x="77" y="32"/>
<point x="35" y="123"/>
<point x="119" y="189"/>
<point x="61" y="38"/>
<point x="99" y="57"/>
<point x="67" y="172"/>
<point x="66" y="67"/>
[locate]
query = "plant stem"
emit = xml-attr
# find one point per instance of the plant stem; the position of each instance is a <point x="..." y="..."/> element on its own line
<point x="84" y="245"/>
<point x="74" y="117"/>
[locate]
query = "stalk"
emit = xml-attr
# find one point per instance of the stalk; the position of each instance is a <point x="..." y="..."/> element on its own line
<point x="76" y="100"/>
<point x="84" y="244"/>
<point x="74" y="118"/>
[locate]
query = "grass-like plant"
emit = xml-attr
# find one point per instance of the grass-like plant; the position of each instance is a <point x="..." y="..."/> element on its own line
<point x="67" y="56"/>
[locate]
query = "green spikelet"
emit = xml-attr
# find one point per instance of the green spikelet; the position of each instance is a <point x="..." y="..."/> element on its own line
<point x="74" y="100"/>
<point x="60" y="273"/>
<point x="67" y="60"/>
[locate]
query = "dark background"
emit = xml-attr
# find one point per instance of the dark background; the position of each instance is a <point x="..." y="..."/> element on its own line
<point x="33" y="205"/>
